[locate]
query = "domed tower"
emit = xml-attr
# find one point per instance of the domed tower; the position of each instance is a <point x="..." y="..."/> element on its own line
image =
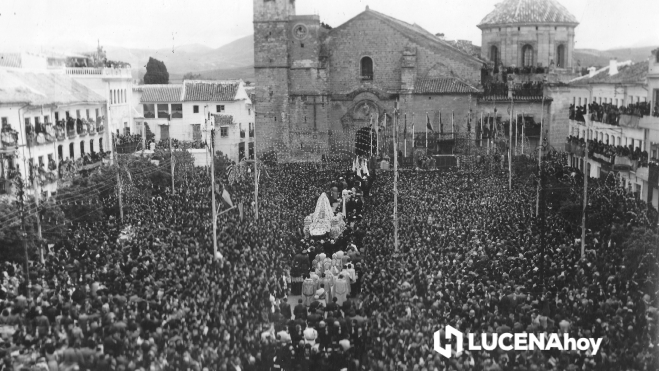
<point x="529" y="33"/>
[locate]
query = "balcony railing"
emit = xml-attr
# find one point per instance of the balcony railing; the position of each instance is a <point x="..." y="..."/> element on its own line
<point x="71" y="133"/>
<point x="60" y="133"/>
<point x="82" y="130"/>
<point x="100" y="128"/>
<point x="98" y="71"/>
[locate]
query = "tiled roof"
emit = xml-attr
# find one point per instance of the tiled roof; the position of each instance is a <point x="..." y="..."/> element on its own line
<point x="443" y="86"/>
<point x="160" y="93"/>
<point x="10" y="60"/>
<point x="210" y="91"/>
<point x="223" y="119"/>
<point x="17" y="86"/>
<point x="636" y="73"/>
<point x="504" y="98"/>
<point x="528" y="12"/>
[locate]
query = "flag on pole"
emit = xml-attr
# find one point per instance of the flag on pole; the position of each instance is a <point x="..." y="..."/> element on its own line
<point x="441" y="124"/>
<point x="226" y="197"/>
<point x="428" y="125"/>
<point x="413" y="139"/>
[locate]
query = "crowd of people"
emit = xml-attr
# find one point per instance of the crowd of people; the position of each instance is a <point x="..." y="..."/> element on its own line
<point x="149" y="295"/>
<point x="611" y="151"/>
<point x="609" y="113"/>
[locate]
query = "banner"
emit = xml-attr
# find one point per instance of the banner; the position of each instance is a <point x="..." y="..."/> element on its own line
<point x="629" y="121"/>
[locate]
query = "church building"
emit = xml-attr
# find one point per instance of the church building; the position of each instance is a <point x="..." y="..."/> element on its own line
<point x="316" y="86"/>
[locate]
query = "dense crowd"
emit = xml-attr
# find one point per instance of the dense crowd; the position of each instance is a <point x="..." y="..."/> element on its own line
<point x="151" y="296"/>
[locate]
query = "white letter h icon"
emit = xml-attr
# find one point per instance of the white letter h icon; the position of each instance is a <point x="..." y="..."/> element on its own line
<point x="450" y="332"/>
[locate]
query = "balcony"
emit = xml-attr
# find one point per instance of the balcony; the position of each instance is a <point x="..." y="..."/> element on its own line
<point x="71" y="133"/>
<point x="91" y="128"/>
<point x="60" y="132"/>
<point x="98" y="72"/>
<point x="100" y="127"/>
<point x="242" y="133"/>
<point x="251" y="133"/>
<point x="9" y="137"/>
<point x="649" y="122"/>
<point x="82" y="130"/>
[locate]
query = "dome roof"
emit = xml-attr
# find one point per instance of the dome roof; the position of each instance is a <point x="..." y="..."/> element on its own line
<point x="528" y="12"/>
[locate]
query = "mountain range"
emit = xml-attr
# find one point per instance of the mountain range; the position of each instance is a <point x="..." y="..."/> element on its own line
<point x="236" y="59"/>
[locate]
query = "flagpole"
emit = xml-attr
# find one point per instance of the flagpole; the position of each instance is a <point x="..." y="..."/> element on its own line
<point x="427" y="122"/>
<point x="542" y="112"/>
<point x="453" y="126"/>
<point x="510" y="147"/>
<point x="405" y="136"/>
<point x="395" y="181"/>
<point x="214" y="217"/>
<point x="370" y="148"/>
<point x="413" y="138"/>
<point x="481" y="141"/>
<point x="377" y="135"/>
<point x="523" y="124"/>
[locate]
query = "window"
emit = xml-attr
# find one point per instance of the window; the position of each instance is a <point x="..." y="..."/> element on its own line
<point x="219" y="108"/>
<point x="579" y="100"/>
<point x="494" y="55"/>
<point x="56" y="116"/>
<point x="100" y="144"/>
<point x="163" y="111"/>
<point x="224" y="131"/>
<point x="46" y="119"/>
<point x="366" y="68"/>
<point x="249" y="112"/>
<point x="560" y="56"/>
<point x="177" y="111"/>
<point x="195" y="109"/>
<point x="67" y="115"/>
<point x="149" y="111"/>
<point x="82" y="148"/>
<point x="37" y="121"/>
<point x="87" y="112"/>
<point x="196" y="131"/>
<point x="77" y="113"/>
<point x="97" y="115"/>
<point x="527" y="56"/>
<point x="4" y="122"/>
<point x="40" y="161"/>
<point x="71" y="151"/>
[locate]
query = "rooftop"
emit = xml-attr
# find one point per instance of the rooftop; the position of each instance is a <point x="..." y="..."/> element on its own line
<point x="628" y="73"/>
<point x="533" y="12"/>
<point x="444" y="85"/>
<point x="190" y="91"/>
<point x="18" y="86"/>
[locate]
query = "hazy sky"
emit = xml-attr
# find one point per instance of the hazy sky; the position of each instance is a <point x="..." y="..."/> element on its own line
<point x="156" y="24"/>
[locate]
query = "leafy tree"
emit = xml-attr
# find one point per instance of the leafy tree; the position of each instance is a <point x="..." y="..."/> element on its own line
<point x="156" y="72"/>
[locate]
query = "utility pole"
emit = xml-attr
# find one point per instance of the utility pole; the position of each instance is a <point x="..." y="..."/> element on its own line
<point x="396" y="177"/>
<point x="540" y="152"/>
<point x="510" y="147"/>
<point x="214" y="211"/>
<point x="585" y="187"/>
<point x="256" y="177"/>
<point x="171" y="152"/>
<point x="119" y="190"/>
<point x="21" y="200"/>
<point x="37" y="197"/>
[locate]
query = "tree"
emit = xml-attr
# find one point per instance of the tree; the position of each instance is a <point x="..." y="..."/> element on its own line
<point x="156" y="72"/>
<point x="192" y="76"/>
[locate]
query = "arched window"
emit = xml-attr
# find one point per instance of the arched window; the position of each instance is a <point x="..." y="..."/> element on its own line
<point x="560" y="56"/>
<point x="91" y="146"/>
<point x="100" y="145"/>
<point x="60" y="152"/>
<point x="527" y="56"/>
<point x="71" y="151"/>
<point x="82" y="148"/>
<point x="494" y="55"/>
<point x="366" y="68"/>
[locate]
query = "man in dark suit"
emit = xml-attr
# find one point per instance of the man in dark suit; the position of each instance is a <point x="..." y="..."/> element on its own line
<point x="332" y="307"/>
<point x="285" y="309"/>
<point x="300" y="310"/>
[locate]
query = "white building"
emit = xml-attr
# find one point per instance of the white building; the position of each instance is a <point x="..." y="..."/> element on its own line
<point x="184" y="110"/>
<point x="49" y="120"/>
<point x="614" y="125"/>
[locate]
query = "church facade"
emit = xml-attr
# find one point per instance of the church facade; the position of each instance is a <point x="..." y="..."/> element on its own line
<point x="316" y="86"/>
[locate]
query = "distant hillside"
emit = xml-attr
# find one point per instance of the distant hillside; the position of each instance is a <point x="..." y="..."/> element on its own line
<point x="226" y="60"/>
<point x="245" y="73"/>
<point x="599" y="58"/>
